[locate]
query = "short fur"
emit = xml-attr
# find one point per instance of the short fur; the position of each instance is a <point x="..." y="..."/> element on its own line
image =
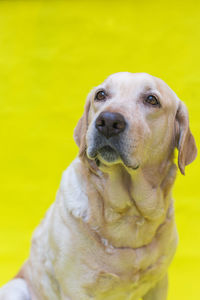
<point x="111" y="232"/>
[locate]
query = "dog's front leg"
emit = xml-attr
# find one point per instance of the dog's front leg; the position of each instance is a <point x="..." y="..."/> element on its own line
<point x="15" y="289"/>
<point x="159" y="291"/>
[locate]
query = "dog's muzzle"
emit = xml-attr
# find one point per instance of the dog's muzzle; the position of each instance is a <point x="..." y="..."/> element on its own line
<point x="108" y="140"/>
<point x="107" y="137"/>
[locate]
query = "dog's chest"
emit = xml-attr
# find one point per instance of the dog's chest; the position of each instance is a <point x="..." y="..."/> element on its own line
<point x="106" y="273"/>
<point x="123" y="276"/>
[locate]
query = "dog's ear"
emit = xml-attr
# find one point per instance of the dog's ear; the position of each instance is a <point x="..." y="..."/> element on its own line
<point x="185" y="142"/>
<point x="81" y="129"/>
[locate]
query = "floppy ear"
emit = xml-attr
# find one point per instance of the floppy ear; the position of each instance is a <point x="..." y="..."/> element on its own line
<point x="81" y="129"/>
<point x="185" y="142"/>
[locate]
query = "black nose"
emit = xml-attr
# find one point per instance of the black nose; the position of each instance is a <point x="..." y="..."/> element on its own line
<point x="110" y="124"/>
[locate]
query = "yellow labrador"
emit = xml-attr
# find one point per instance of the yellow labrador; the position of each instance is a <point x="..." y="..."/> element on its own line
<point x="111" y="232"/>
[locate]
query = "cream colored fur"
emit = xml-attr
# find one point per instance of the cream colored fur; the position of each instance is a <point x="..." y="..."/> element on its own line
<point x="111" y="232"/>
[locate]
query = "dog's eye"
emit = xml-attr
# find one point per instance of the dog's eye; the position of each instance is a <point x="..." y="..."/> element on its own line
<point x="100" y="96"/>
<point x="151" y="99"/>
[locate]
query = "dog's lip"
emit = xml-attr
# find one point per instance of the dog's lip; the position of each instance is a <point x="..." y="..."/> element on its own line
<point x="132" y="167"/>
<point x="93" y="155"/>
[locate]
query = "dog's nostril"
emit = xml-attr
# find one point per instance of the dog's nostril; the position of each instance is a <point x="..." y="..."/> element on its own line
<point x="103" y="123"/>
<point x="115" y="125"/>
<point x="119" y="125"/>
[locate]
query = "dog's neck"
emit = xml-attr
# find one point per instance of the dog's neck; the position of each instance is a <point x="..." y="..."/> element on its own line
<point x="127" y="206"/>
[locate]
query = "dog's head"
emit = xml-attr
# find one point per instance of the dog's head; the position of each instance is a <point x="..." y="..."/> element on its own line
<point x="136" y="120"/>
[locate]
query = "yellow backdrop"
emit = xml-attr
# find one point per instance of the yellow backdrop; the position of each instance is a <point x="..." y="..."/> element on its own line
<point x="51" y="54"/>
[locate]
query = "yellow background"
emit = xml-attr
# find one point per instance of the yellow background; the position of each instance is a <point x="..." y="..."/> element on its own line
<point x="51" y="54"/>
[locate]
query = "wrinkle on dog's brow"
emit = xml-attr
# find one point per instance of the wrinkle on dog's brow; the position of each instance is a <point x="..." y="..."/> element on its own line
<point x="146" y="91"/>
<point x="148" y="88"/>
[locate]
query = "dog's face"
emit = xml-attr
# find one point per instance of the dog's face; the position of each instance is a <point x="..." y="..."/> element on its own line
<point x="134" y="119"/>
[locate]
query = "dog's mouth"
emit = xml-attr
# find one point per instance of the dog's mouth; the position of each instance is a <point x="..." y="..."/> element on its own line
<point x="108" y="155"/>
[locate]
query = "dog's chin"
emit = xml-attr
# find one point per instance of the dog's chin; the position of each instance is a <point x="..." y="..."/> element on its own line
<point x="108" y="155"/>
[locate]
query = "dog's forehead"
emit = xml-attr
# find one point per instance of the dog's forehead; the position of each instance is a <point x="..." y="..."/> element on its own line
<point x="135" y="83"/>
<point x="130" y="81"/>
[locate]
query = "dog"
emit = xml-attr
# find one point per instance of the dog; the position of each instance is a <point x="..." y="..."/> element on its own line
<point x="111" y="232"/>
